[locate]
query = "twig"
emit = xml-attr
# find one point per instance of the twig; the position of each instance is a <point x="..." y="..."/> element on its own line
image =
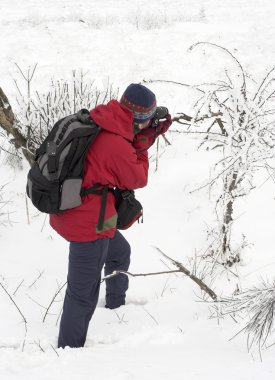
<point x="44" y="223"/>
<point x="157" y="155"/>
<point x="182" y="116"/>
<point x="5" y="290"/>
<point x="37" y="303"/>
<point x="243" y="87"/>
<point x="17" y="288"/>
<point x="27" y="209"/>
<point x="120" y="319"/>
<point x="217" y="176"/>
<point x="34" y="282"/>
<point x="172" y="82"/>
<point x="58" y="317"/>
<point x="39" y="345"/>
<point x="52" y="301"/>
<point x="166" y="140"/>
<point x="263" y="81"/>
<point x="20" y="312"/>
<point x="117" y="272"/>
<point x="54" y="350"/>
<point x="165" y="286"/>
<point x="154" y="319"/>
<point x="6" y="151"/>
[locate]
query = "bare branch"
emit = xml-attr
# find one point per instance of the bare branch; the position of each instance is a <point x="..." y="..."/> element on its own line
<point x="19" y="285"/>
<point x="172" y="82"/>
<point x="19" y="311"/>
<point x="53" y="300"/>
<point x="232" y="56"/>
<point x="198" y="281"/>
<point x="117" y="272"/>
<point x="54" y="350"/>
<point x="35" y="281"/>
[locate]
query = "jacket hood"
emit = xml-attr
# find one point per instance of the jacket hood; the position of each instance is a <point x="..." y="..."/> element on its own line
<point x="114" y="117"/>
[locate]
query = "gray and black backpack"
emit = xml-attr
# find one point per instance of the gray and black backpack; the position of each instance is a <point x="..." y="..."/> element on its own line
<point x="55" y="178"/>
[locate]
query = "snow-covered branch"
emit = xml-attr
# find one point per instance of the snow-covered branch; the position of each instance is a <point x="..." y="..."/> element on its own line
<point x="256" y="306"/>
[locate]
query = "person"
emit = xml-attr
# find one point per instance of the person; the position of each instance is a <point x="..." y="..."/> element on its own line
<point x="117" y="158"/>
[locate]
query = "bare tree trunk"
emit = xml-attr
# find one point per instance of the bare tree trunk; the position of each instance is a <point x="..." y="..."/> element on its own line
<point x="7" y="122"/>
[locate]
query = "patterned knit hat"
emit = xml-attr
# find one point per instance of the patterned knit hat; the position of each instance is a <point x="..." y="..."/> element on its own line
<point x="141" y="101"/>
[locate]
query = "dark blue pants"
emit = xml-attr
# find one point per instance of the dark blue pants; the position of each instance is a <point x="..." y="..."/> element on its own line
<point x="86" y="261"/>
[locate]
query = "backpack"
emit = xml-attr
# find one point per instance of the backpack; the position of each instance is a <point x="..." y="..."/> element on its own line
<point x="55" y="179"/>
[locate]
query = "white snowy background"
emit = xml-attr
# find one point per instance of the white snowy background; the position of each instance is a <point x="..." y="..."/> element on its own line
<point x="163" y="331"/>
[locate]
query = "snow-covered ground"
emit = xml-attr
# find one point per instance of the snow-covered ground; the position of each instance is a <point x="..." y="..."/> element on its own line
<point x="163" y="331"/>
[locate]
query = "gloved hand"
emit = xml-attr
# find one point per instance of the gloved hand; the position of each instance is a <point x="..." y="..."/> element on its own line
<point x="147" y="136"/>
<point x="144" y="139"/>
<point x="163" y="126"/>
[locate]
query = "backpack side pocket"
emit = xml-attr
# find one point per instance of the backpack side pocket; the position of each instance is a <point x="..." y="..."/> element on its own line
<point x="43" y="193"/>
<point x="70" y="193"/>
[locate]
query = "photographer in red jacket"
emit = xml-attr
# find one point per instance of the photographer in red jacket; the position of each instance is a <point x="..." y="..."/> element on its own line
<point x="117" y="158"/>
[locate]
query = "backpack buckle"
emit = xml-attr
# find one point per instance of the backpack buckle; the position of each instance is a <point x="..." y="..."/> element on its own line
<point x="51" y="148"/>
<point x="126" y="194"/>
<point x="51" y="151"/>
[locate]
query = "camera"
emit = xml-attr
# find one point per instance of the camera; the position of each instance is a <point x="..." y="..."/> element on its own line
<point x="161" y="113"/>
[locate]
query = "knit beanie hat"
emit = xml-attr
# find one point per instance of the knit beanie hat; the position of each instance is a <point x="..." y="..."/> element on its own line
<point x="141" y="101"/>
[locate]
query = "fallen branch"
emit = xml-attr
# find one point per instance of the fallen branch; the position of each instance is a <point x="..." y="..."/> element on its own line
<point x="117" y="272"/>
<point x="181" y="268"/>
<point x="184" y="270"/>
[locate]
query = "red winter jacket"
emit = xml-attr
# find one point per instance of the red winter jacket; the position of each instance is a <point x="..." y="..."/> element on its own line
<point x="112" y="160"/>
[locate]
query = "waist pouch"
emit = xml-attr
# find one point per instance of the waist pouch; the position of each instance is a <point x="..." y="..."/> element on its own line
<point x="128" y="208"/>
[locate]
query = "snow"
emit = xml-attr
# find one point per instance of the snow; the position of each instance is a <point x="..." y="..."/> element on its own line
<point x="164" y="330"/>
